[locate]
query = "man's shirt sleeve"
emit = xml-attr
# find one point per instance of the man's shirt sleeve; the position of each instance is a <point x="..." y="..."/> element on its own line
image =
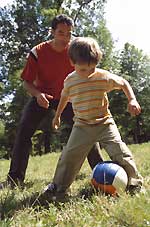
<point x="29" y="72"/>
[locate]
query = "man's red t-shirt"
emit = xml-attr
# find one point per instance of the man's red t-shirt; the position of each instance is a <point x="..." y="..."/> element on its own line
<point x="47" y="69"/>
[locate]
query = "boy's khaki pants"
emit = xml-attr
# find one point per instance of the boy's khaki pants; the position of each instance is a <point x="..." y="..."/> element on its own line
<point x="79" y="144"/>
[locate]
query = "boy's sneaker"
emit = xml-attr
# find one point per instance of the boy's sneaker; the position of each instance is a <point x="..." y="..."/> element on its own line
<point x="50" y="194"/>
<point x="134" y="189"/>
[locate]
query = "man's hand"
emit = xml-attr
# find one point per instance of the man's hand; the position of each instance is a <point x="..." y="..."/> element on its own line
<point x="56" y="122"/>
<point x="134" y="107"/>
<point x="43" y="100"/>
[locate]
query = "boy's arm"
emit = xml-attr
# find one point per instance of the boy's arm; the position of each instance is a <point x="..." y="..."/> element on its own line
<point x="61" y="106"/>
<point x="133" y="106"/>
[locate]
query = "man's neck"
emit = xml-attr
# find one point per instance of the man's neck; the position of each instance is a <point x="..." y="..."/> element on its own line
<point x="58" y="46"/>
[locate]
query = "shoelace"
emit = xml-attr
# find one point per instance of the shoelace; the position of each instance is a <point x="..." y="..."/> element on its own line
<point x="50" y="187"/>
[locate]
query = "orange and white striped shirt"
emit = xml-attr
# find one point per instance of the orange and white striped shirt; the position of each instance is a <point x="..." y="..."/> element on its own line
<point x="89" y="96"/>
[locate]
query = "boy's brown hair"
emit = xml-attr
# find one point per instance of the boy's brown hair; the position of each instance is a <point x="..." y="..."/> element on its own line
<point x="84" y="50"/>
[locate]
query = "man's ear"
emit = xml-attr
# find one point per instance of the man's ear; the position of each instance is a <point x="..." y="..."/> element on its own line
<point x="71" y="62"/>
<point x="52" y="32"/>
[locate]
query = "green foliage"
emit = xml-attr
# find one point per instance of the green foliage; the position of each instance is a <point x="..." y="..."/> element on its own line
<point x="1" y="129"/>
<point x="105" y="41"/>
<point x="86" y="14"/>
<point x="16" y="207"/>
<point x="135" y="67"/>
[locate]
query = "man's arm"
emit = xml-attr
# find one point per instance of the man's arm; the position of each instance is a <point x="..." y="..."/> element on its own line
<point x="61" y="106"/>
<point x="42" y="98"/>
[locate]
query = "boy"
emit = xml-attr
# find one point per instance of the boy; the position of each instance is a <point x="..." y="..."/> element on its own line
<point x="86" y="88"/>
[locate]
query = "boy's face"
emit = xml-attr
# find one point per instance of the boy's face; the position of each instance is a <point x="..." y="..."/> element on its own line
<point x="62" y="33"/>
<point x="85" y="70"/>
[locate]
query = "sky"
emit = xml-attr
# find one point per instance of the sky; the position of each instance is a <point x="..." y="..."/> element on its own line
<point x="127" y="20"/>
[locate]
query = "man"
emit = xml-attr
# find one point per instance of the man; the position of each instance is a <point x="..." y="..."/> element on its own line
<point x="44" y="73"/>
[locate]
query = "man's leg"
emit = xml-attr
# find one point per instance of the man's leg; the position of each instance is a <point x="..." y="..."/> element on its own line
<point x="31" y="117"/>
<point x="95" y="155"/>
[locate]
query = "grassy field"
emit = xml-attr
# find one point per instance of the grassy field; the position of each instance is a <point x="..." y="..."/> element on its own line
<point x="17" y="210"/>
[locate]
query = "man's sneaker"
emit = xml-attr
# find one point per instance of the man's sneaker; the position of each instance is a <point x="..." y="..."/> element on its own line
<point x="11" y="184"/>
<point x="50" y="194"/>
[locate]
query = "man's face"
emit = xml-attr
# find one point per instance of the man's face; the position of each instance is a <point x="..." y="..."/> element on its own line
<point x="62" y="33"/>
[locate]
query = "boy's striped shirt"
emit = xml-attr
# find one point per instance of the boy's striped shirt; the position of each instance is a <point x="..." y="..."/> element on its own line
<point x="89" y="95"/>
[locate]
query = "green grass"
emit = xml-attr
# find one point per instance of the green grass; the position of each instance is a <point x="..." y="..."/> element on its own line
<point x="16" y="208"/>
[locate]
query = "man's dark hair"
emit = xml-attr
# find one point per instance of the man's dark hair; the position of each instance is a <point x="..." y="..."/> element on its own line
<point x="62" y="18"/>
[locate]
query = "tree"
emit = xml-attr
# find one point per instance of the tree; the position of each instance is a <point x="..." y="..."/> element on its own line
<point x="135" y="67"/>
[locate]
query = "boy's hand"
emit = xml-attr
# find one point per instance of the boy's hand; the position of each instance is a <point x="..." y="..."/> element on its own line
<point x="134" y="107"/>
<point x="43" y="100"/>
<point x="56" y="123"/>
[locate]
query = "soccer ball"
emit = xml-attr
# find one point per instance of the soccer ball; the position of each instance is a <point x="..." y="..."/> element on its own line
<point x="109" y="177"/>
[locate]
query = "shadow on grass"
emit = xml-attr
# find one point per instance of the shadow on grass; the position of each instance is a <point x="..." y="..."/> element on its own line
<point x="88" y="191"/>
<point x="81" y="176"/>
<point x="9" y="203"/>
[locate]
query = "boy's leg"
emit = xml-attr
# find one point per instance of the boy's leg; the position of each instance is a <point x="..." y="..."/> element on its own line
<point x="110" y="140"/>
<point x="95" y="155"/>
<point x="72" y="157"/>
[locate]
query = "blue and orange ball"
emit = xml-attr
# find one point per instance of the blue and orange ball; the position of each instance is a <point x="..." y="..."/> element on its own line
<point x="110" y="178"/>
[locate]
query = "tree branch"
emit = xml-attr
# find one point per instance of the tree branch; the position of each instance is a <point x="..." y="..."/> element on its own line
<point x="80" y="8"/>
